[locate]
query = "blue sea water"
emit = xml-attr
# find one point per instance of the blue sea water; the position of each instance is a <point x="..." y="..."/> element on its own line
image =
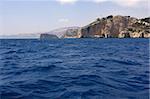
<point x="74" y="69"/>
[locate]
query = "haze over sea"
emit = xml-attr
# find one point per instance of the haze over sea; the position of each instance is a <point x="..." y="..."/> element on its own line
<point x="74" y="69"/>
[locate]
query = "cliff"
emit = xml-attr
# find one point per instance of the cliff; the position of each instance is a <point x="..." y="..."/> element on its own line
<point x="117" y="26"/>
<point x="107" y="27"/>
<point x="48" y="36"/>
<point x="72" y="33"/>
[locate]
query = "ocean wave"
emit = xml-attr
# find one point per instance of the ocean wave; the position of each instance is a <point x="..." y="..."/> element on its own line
<point x="74" y="69"/>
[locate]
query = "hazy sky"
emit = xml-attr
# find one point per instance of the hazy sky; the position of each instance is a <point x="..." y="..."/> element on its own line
<point x="32" y="16"/>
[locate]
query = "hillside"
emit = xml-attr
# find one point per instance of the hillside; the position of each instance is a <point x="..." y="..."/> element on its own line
<point x="117" y="26"/>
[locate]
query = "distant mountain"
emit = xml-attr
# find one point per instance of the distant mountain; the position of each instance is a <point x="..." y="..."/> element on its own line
<point x="21" y="36"/>
<point x="61" y="31"/>
<point x="58" y="32"/>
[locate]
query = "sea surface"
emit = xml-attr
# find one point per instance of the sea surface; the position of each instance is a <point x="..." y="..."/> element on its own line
<point x="74" y="69"/>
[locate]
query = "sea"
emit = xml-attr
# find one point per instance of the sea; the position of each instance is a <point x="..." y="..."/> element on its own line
<point x="74" y="68"/>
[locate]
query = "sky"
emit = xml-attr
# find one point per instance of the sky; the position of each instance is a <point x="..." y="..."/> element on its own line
<point x="36" y="16"/>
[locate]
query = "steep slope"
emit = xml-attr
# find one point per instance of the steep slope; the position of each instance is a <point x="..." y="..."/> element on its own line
<point x="117" y="26"/>
<point x="62" y="31"/>
<point x="72" y="33"/>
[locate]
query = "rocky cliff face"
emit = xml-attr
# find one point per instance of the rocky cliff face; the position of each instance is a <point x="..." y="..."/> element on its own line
<point x="117" y="26"/>
<point x="66" y="32"/>
<point x="48" y="36"/>
<point x="111" y="26"/>
<point x="72" y="33"/>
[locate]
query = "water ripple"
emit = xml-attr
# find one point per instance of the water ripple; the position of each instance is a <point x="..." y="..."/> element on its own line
<point x="74" y="69"/>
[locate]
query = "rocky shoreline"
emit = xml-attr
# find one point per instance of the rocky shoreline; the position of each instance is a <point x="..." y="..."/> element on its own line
<point x="111" y="27"/>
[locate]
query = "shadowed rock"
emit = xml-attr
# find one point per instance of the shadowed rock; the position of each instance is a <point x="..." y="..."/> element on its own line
<point x="48" y="36"/>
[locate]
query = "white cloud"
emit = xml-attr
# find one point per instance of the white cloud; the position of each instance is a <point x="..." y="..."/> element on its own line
<point x="119" y="2"/>
<point x="122" y="2"/>
<point x="99" y="1"/>
<point x="67" y="1"/>
<point x="63" y="20"/>
<point x="128" y="2"/>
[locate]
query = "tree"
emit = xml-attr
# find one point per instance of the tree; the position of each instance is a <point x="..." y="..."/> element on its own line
<point x="98" y="19"/>
<point x="109" y="17"/>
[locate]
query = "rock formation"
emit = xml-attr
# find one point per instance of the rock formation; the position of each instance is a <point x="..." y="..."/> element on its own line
<point x="66" y="32"/>
<point x="48" y="36"/>
<point x="108" y="27"/>
<point x="117" y="26"/>
<point x="72" y="33"/>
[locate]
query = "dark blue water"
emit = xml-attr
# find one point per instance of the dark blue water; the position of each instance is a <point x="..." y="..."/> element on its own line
<point x="74" y="69"/>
